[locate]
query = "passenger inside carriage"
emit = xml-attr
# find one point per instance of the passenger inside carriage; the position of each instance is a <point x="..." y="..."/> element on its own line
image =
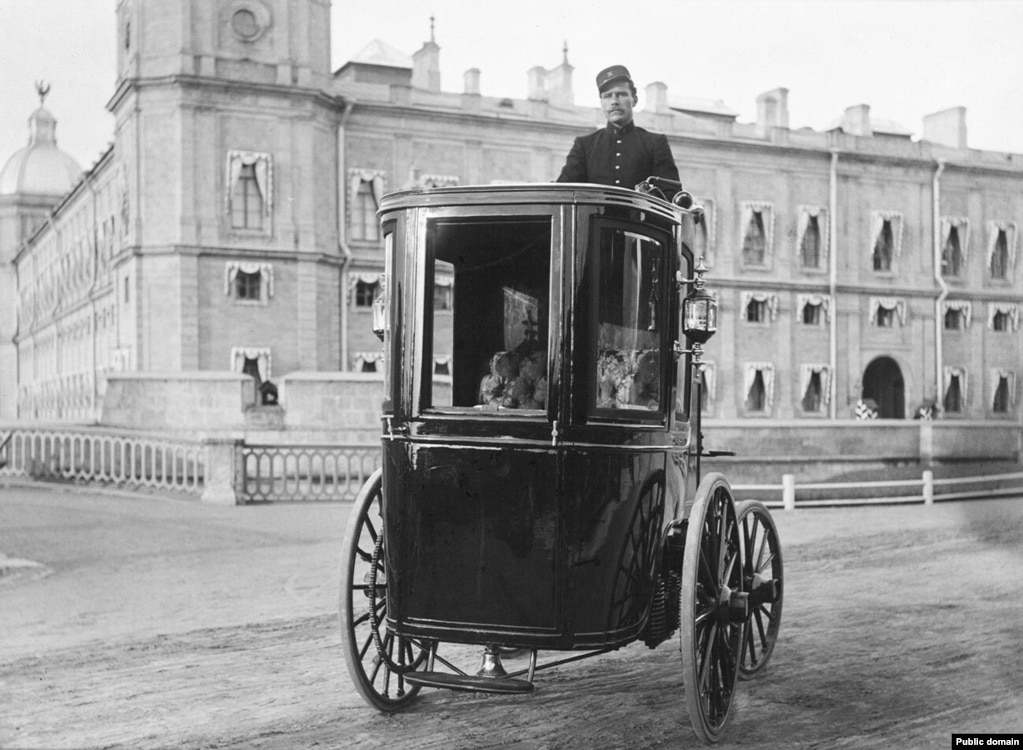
<point x="496" y="325"/>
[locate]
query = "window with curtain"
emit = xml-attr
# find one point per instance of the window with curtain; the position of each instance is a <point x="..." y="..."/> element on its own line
<point x="759" y="307"/>
<point x="815" y="385"/>
<point x="759" y="387"/>
<point x="754" y="240"/>
<point x="249" y="189"/>
<point x="1003" y="318"/>
<point x="366" y="292"/>
<point x="249" y="281"/>
<point x="813" y="396"/>
<point x="884" y="248"/>
<point x="1001" y="249"/>
<point x="246" y="200"/>
<point x="955" y="390"/>
<point x="952" y="254"/>
<point x="365" y="189"/>
<point x="1003" y="391"/>
<point x="812" y="236"/>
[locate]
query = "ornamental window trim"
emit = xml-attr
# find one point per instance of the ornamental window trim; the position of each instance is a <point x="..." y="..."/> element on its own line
<point x="817" y="300"/>
<point x="997" y="373"/>
<point x="807" y="212"/>
<point x="888" y="303"/>
<point x="951" y="372"/>
<point x="963" y="306"/>
<point x="877" y="222"/>
<point x="769" y="300"/>
<point x="265" y="271"/>
<point x="262" y="164"/>
<point x="261" y="354"/>
<point x="766" y="370"/>
<point x="1011" y="238"/>
<point x="1008" y="309"/>
<point x="962" y="226"/>
<point x="823" y="371"/>
<point x="766" y="211"/>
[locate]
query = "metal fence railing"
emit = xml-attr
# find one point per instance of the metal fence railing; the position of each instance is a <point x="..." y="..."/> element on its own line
<point x="93" y="455"/>
<point x="305" y="472"/>
<point x="926" y="490"/>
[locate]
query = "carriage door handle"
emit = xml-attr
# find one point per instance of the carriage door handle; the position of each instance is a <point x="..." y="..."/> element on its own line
<point x="554" y="434"/>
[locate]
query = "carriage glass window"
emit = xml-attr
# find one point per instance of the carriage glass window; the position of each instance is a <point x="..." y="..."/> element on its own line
<point x="630" y="323"/>
<point x="491" y="333"/>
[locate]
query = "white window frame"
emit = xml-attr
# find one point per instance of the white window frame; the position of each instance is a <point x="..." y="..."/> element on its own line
<point x="766" y="211"/>
<point x="963" y="306"/>
<point x="877" y="220"/>
<point x="993" y="228"/>
<point x="806" y="373"/>
<point x="888" y="303"/>
<point x="266" y="287"/>
<point x="996" y="376"/>
<point x="376" y="179"/>
<point x="766" y="370"/>
<point x="806" y="212"/>
<point x="263" y="171"/>
<point x="818" y="300"/>
<point x="770" y="302"/>
<point x="962" y="226"/>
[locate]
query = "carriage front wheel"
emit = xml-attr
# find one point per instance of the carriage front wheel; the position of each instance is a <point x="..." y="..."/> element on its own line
<point x="377" y="658"/>
<point x="762" y="575"/>
<point x="714" y="608"/>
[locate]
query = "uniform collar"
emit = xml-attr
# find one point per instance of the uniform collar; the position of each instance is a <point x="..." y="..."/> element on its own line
<point x="628" y="127"/>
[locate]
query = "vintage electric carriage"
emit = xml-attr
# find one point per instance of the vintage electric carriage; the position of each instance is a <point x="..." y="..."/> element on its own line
<point x="540" y="487"/>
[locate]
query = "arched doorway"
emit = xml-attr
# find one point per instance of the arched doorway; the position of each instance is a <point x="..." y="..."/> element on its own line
<point x="882" y="382"/>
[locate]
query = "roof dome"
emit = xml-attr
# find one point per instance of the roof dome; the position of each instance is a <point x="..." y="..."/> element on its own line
<point x="40" y="168"/>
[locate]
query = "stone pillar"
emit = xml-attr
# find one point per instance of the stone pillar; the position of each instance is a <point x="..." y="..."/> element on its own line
<point x="222" y="481"/>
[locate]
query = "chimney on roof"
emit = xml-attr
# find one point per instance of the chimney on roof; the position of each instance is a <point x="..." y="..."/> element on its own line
<point x="538" y="83"/>
<point x="426" y="65"/>
<point x="773" y="110"/>
<point x="947" y="127"/>
<point x="555" y="85"/>
<point x="856" y="120"/>
<point x="471" y="80"/>
<point x="656" y="97"/>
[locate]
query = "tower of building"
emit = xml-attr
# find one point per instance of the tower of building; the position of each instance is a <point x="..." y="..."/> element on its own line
<point x="33" y="180"/>
<point x="225" y="148"/>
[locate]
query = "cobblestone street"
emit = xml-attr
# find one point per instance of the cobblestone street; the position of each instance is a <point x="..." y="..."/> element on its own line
<point x="142" y="622"/>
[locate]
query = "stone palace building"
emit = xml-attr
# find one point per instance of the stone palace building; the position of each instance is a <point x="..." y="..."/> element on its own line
<point x="231" y="224"/>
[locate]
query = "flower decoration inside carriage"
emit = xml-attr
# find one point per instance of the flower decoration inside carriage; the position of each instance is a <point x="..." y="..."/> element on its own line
<point x="628" y="379"/>
<point x="517" y="380"/>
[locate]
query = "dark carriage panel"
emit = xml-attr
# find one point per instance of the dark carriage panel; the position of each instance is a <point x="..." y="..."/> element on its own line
<point x="474" y="533"/>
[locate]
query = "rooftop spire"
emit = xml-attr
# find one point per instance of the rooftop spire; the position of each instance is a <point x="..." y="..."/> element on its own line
<point x="42" y="88"/>
<point x="431" y="29"/>
<point x="564" y="53"/>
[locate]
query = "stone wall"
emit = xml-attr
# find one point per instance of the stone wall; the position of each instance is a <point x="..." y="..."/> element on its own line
<point x="197" y="402"/>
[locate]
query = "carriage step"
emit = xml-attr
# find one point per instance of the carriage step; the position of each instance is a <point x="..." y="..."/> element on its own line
<point x="470" y="683"/>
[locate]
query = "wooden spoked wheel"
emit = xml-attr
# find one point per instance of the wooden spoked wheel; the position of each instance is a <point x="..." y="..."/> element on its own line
<point x="762" y="579"/>
<point x="714" y="608"/>
<point x="377" y="658"/>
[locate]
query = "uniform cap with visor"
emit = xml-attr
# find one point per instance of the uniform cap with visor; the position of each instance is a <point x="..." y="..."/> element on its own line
<point x="611" y="75"/>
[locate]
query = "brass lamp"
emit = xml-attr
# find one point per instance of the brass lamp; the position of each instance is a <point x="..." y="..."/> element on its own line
<point x="699" y="311"/>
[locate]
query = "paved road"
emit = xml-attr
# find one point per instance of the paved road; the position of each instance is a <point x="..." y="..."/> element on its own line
<point x="141" y="622"/>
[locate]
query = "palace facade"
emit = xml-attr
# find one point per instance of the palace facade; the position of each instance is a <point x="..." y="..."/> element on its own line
<point x="231" y="224"/>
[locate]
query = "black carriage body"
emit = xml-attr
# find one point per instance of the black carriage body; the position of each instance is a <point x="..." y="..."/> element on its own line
<point x="537" y="442"/>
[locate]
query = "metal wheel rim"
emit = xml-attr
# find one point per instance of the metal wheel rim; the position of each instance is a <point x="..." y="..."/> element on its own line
<point x="381" y="685"/>
<point x="710" y="641"/>
<point x="762" y="556"/>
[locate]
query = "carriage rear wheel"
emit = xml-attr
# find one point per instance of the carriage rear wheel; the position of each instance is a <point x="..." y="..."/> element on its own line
<point x="714" y="608"/>
<point x="762" y="576"/>
<point x="377" y="658"/>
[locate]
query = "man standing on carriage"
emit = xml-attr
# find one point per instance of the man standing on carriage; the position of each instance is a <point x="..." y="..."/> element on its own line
<point x="621" y="153"/>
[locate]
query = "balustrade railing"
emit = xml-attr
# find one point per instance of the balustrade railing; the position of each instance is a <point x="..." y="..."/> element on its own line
<point x="305" y="472"/>
<point x="83" y="454"/>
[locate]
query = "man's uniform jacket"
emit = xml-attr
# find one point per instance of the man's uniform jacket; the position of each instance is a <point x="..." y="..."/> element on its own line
<point x="619" y="156"/>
